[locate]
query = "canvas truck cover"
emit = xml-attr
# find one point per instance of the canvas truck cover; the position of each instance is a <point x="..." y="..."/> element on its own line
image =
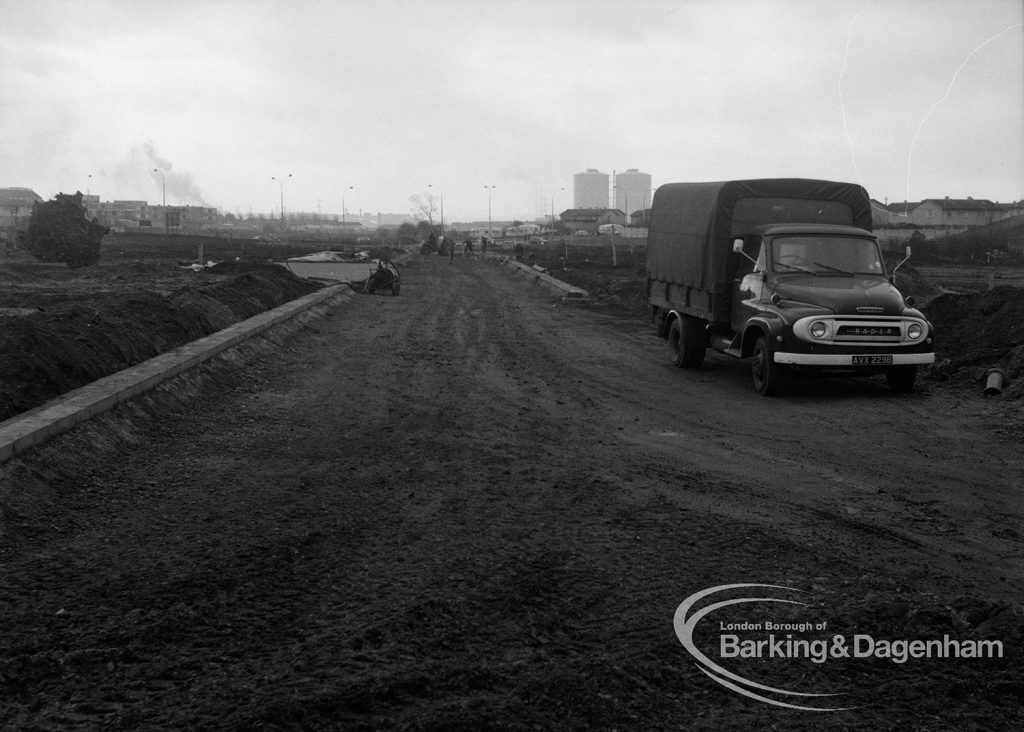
<point x="689" y="239"/>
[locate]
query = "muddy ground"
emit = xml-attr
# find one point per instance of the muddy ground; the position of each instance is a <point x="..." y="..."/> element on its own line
<point x="63" y="328"/>
<point x="471" y="507"/>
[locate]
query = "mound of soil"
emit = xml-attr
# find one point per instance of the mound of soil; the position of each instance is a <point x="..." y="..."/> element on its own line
<point x="977" y="331"/>
<point x="82" y="336"/>
<point x="614" y="282"/>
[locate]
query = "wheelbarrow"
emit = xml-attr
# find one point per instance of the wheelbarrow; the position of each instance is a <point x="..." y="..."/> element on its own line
<point x="383" y="279"/>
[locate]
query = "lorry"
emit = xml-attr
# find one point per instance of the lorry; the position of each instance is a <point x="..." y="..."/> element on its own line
<point x="785" y="272"/>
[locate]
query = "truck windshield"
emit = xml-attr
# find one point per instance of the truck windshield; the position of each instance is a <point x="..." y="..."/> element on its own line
<point x="826" y="255"/>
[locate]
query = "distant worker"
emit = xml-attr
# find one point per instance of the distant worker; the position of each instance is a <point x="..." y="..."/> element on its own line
<point x="468" y="247"/>
<point x="449" y="246"/>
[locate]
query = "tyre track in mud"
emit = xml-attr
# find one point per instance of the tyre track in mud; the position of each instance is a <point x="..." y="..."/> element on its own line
<point x="469" y="506"/>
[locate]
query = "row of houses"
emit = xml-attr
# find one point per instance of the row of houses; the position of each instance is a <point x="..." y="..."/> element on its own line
<point x="933" y="217"/>
<point x="16" y="209"/>
<point x="140" y="215"/>
<point x="942" y="216"/>
<point x="131" y="215"/>
<point x="590" y="219"/>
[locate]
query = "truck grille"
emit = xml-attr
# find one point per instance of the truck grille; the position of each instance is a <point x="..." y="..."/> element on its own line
<point x="868" y="331"/>
<point x="861" y="330"/>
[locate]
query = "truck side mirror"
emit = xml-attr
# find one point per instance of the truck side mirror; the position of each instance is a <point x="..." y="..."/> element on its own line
<point x="737" y="246"/>
<point x="892" y="277"/>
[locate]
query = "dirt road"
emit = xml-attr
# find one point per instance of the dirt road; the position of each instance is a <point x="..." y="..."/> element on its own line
<point x="468" y="507"/>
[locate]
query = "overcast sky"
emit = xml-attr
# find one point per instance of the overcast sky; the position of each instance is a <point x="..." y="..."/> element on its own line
<point x="911" y="98"/>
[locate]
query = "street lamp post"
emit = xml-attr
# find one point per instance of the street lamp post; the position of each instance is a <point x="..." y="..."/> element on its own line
<point x="553" y="229"/>
<point x="625" y="195"/>
<point x="643" y="210"/>
<point x="343" y="192"/>
<point x="429" y="185"/>
<point x="490" y="234"/>
<point x="163" y="183"/>
<point x="280" y="182"/>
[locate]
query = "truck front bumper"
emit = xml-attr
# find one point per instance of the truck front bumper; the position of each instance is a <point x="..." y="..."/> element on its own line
<point x="851" y="360"/>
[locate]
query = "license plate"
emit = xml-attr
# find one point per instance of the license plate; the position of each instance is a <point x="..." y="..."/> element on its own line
<point x="872" y="360"/>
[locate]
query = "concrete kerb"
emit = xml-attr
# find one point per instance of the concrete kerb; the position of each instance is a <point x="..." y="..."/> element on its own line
<point x="567" y="292"/>
<point x="37" y="425"/>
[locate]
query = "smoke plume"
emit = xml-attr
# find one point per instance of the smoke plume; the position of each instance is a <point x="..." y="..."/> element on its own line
<point x="142" y="167"/>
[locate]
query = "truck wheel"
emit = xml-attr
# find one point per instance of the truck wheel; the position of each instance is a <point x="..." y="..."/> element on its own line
<point x="766" y="373"/>
<point x="694" y="342"/>
<point x="681" y="339"/>
<point x="901" y="378"/>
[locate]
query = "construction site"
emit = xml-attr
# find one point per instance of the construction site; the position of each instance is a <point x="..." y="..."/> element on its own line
<point x="477" y="502"/>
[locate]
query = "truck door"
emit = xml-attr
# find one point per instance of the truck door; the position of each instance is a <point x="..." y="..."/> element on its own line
<point x="748" y="285"/>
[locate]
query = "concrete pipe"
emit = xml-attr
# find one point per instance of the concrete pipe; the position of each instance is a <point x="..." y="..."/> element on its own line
<point x="994" y="382"/>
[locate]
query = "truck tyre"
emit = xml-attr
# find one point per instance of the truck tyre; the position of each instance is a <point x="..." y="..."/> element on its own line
<point x="767" y="374"/>
<point x="901" y="378"/>
<point x="682" y="339"/>
<point x="695" y="342"/>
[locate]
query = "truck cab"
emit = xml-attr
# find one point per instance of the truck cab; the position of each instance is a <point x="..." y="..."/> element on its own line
<point x="822" y="296"/>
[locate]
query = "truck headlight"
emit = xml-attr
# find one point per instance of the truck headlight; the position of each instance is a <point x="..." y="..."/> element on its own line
<point x="818" y="329"/>
<point x="914" y="331"/>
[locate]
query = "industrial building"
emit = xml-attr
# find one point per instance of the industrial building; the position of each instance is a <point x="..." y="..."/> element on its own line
<point x="632" y="191"/>
<point x="16" y="206"/>
<point x="590" y="189"/>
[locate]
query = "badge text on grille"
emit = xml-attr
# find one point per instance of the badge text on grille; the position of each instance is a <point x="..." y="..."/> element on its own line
<point x="861" y="330"/>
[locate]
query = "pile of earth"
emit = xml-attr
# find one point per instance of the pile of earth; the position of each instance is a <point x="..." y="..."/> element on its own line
<point x="613" y="280"/>
<point x="979" y="331"/>
<point x="74" y="339"/>
<point x="621" y="292"/>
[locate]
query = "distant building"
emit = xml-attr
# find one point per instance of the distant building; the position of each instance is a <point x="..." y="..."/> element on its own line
<point x="140" y="216"/>
<point x="92" y="205"/>
<point x="477" y="229"/>
<point x="632" y="191"/>
<point x="16" y="206"/>
<point x="957" y="213"/>
<point x="589" y="219"/>
<point x="123" y="215"/>
<point x="640" y="217"/>
<point x="590" y="189"/>
<point x="393" y="219"/>
<point x="891" y="214"/>
<point x="942" y="216"/>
